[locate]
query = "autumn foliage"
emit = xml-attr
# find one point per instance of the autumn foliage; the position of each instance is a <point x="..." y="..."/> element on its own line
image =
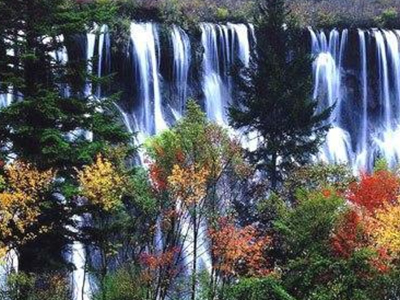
<point x="23" y="193"/>
<point x="375" y="190"/>
<point x="189" y="184"/>
<point x="371" y="222"/>
<point x="349" y="235"/>
<point x="387" y="229"/>
<point x="162" y="262"/>
<point x="102" y="184"/>
<point x="239" y="251"/>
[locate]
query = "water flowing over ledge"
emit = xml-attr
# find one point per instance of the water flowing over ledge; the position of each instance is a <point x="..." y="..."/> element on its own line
<point x="359" y="73"/>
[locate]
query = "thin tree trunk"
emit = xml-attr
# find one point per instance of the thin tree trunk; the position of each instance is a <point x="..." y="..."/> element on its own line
<point x="194" y="271"/>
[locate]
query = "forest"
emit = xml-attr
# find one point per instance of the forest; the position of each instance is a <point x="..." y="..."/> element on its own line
<point x="118" y="183"/>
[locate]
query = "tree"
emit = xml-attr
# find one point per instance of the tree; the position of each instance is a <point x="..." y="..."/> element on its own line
<point x="373" y="191"/>
<point x="239" y="251"/>
<point x="47" y="121"/>
<point x="330" y="252"/>
<point x="387" y="229"/>
<point x="102" y="184"/>
<point x="122" y="213"/>
<point x="24" y="194"/>
<point x="195" y="168"/>
<point x="277" y="103"/>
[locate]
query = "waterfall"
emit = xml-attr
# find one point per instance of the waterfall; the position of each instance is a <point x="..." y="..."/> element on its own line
<point x="9" y="263"/>
<point x="241" y="32"/>
<point x="91" y="41"/>
<point x="387" y="132"/>
<point x="81" y="288"/>
<point x="5" y="99"/>
<point x="362" y="149"/>
<point x="384" y="82"/>
<point x="356" y="71"/>
<point x="214" y="91"/>
<point x="366" y="119"/>
<point x="327" y="90"/>
<point x="104" y="44"/>
<point x="182" y="53"/>
<point x="144" y="37"/>
<point x="222" y="44"/>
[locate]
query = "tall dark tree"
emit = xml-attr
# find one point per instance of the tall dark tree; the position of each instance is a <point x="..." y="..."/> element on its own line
<point x="277" y="103"/>
<point x="45" y="125"/>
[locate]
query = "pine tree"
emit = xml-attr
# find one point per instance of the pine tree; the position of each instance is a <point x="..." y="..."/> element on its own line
<point x="45" y="125"/>
<point x="277" y="103"/>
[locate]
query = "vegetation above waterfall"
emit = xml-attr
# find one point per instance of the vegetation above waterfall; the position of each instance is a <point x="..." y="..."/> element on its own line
<point x="92" y="210"/>
<point x="316" y="13"/>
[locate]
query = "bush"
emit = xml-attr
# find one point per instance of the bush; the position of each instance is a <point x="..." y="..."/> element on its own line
<point x="222" y="13"/>
<point x="388" y="18"/>
<point x="24" y="286"/>
<point x="267" y="288"/>
<point x="124" y="284"/>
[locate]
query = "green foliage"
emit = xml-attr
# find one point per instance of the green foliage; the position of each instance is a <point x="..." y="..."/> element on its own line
<point x="388" y="18"/>
<point x="268" y="288"/>
<point x="312" y="269"/>
<point x="45" y="125"/>
<point x="327" y="19"/>
<point x="24" y="286"/>
<point x="317" y="177"/>
<point x="346" y="13"/>
<point x="307" y="227"/>
<point x="222" y="13"/>
<point x="277" y="105"/>
<point x="123" y="284"/>
<point x="381" y="165"/>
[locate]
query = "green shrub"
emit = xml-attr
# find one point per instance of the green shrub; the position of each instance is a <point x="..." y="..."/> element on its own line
<point x="124" y="284"/>
<point x="24" y="286"/>
<point x="222" y="13"/>
<point x="388" y="18"/>
<point x="268" y="288"/>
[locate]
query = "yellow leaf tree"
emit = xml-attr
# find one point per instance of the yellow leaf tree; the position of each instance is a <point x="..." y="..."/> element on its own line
<point x="102" y="184"/>
<point x="23" y="194"/>
<point x="189" y="184"/>
<point x="387" y="229"/>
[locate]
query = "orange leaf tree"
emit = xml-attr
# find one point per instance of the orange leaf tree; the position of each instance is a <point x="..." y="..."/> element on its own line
<point x="239" y="251"/>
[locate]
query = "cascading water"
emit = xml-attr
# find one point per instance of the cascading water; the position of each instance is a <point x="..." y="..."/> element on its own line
<point x="222" y="45"/>
<point x="387" y="134"/>
<point x="362" y="160"/>
<point x="143" y="37"/>
<point x="5" y="99"/>
<point x="9" y="263"/>
<point x="182" y="52"/>
<point x="91" y="41"/>
<point x="104" y="53"/>
<point x="241" y="32"/>
<point x="214" y="89"/>
<point x="327" y="90"/>
<point x="366" y="117"/>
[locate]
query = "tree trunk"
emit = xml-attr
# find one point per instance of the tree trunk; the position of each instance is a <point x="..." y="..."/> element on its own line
<point x="194" y="271"/>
